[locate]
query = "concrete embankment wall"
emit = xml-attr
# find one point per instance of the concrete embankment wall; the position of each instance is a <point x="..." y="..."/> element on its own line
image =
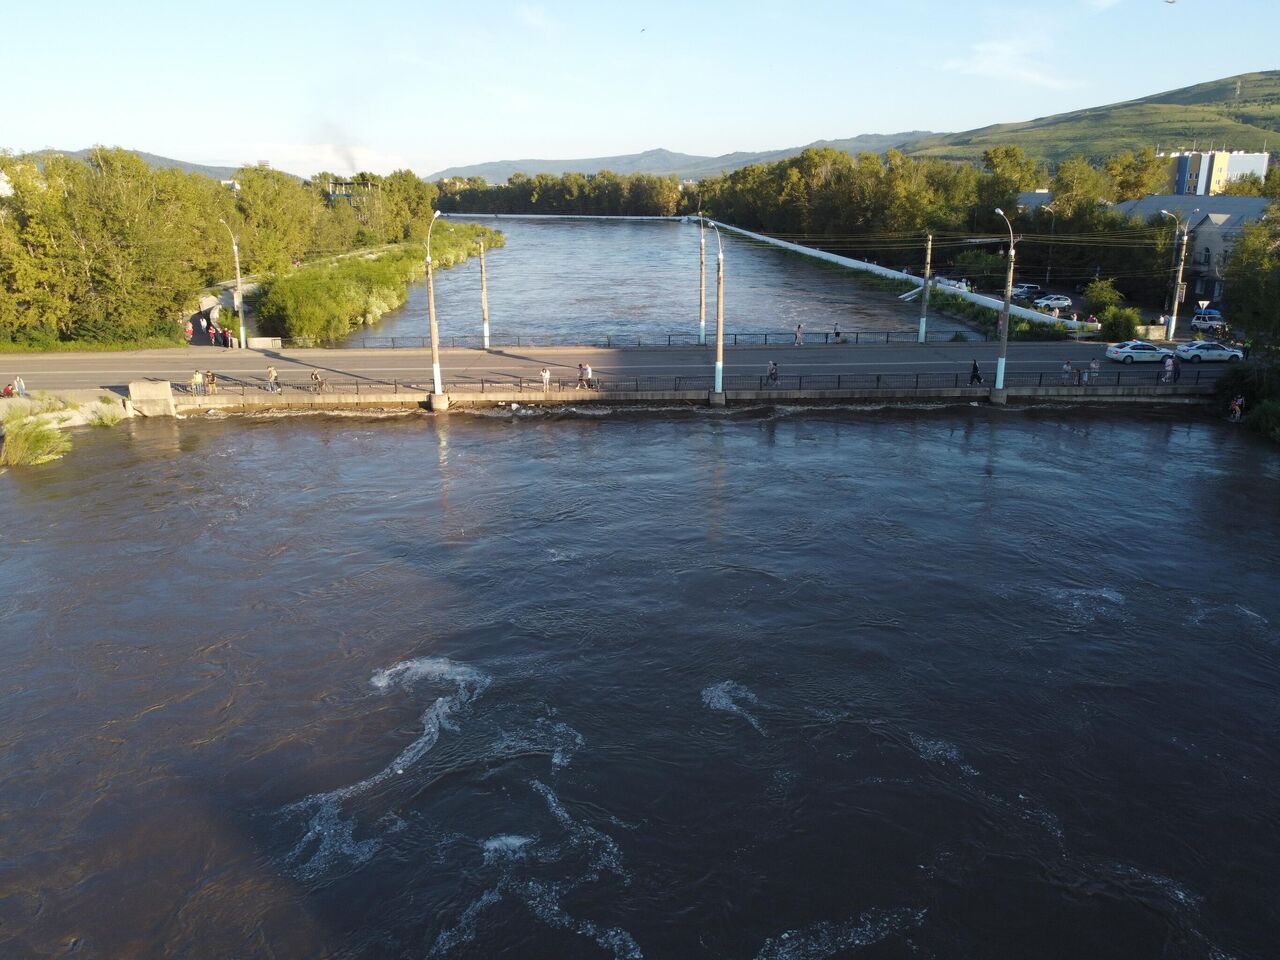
<point x="185" y="405"/>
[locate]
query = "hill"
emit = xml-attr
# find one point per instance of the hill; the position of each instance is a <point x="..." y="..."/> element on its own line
<point x="151" y="160"/>
<point x="1241" y="112"/>
<point x="666" y="162"/>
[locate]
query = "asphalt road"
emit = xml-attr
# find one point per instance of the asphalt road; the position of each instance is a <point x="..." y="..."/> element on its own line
<point x="62" y="371"/>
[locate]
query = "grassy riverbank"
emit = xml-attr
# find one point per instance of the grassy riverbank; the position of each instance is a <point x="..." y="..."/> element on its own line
<point x="329" y="300"/>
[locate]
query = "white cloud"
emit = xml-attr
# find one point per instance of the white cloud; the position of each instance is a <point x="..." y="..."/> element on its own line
<point x="535" y="17"/>
<point x="1008" y="61"/>
<point x="1101" y="4"/>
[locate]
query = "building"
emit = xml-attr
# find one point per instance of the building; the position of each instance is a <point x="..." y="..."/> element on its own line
<point x="1205" y="173"/>
<point x="6" y="188"/>
<point x="1213" y="223"/>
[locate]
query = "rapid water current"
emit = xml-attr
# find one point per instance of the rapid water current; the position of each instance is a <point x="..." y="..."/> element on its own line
<point x="778" y="684"/>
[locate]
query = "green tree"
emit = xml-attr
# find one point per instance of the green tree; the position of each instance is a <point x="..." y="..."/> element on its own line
<point x="1136" y="175"/>
<point x="1247" y="185"/>
<point x="1101" y="295"/>
<point x="1079" y="185"/>
<point x="1252" y="273"/>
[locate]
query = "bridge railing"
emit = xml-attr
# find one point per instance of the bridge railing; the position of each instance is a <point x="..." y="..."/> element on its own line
<point x="760" y="338"/>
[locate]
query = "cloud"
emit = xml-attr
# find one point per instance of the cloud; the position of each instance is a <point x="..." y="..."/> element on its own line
<point x="535" y="17"/>
<point x="1005" y="60"/>
<point x="1101" y="4"/>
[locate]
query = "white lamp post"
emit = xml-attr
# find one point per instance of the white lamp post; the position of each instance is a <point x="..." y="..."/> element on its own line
<point x="235" y="252"/>
<point x="1008" y="302"/>
<point x="431" y="313"/>
<point x="1184" y="226"/>
<point x="719" y="311"/>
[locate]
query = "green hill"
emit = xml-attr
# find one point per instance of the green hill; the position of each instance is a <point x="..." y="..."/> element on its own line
<point x="1242" y="113"/>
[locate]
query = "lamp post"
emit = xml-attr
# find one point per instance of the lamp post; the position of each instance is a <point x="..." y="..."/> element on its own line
<point x="484" y="297"/>
<point x="719" y="312"/>
<point x="1184" y="226"/>
<point x="431" y="313"/>
<point x="235" y="252"/>
<point x="702" y="281"/>
<point x="1053" y="234"/>
<point x="1008" y="301"/>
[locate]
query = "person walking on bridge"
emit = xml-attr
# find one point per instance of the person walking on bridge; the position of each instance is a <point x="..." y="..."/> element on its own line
<point x="582" y="377"/>
<point x="975" y="375"/>
<point x="545" y="373"/>
<point x="771" y="375"/>
<point x="799" y="334"/>
<point x="273" y="380"/>
<point x="19" y="387"/>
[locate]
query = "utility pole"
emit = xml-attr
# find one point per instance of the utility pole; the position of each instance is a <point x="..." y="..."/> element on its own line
<point x="924" y="291"/>
<point x="431" y="312"/>
<point x="1053" y="235"/>
<point x="484" y="297"/>
<point x="1008" y="303"/>
<point x="719" y="382"/>
<point x="702" y="281"/>
<point x="1177" y="286"/>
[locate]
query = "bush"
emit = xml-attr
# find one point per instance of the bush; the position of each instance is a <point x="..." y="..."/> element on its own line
<point x="1101" y="296"/>
<point x="105" y="416"/>
<point x="1119" y="323"/>
<point x="32" y="442"/>
<point x="1256" y="382"/>
<point x="1266" y="419"/>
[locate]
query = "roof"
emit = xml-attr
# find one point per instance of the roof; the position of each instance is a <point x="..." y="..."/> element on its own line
<point x="1236" y="210"/>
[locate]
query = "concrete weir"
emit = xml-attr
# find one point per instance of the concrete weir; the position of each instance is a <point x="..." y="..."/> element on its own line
<point x="158" y="399"/>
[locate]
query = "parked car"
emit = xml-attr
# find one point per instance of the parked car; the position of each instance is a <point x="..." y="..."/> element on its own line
<point x="1054" y="301"/>
<point x="1208" y="321"/>
<point x="1139" y="351"/>
<point x="1026" y="291"/>
<point x="1199" y="350"/>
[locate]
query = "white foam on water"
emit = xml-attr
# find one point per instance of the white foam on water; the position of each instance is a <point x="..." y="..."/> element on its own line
<point x="329" y="836"/>
<point x="826" y="939"/>
<point x="543" y="901"/>
<point x="941" y="751"/>
<point x="545" y="736"/>
<point x="560" y="556"/>
<point x="464" y="931"/>
<point x="601" y="848"/>
<point x="724" y="696"/>
<point x="1087" y="604"/>
<point x="506" y="846"/>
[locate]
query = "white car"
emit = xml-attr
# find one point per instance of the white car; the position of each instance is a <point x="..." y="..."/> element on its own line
<point x="1132" y="351"/>
<point x="1199" y="350"/>
<point x="1053" y="301"/>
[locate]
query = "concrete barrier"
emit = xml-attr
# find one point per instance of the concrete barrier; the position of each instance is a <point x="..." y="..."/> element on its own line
<point x="151" y="398"/>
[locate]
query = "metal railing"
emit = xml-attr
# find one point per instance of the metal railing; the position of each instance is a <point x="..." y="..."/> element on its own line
<point x="611" y="341"/>
<point x="236" y="386"/>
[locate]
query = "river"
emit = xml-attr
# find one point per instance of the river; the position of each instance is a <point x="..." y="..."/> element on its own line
<point x="583" y="280"/>
<point x="950" y="682"/>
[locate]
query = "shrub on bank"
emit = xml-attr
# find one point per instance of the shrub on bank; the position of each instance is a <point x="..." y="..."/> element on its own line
<point x="1266" y="419"/>
<point x="28" y="443"/>
<point x="326" y="301"/>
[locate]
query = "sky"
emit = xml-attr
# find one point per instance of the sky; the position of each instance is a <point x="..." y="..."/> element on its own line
<point x="428" y="84"/>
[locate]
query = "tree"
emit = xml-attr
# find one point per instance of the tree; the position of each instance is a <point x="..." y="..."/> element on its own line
<point x="1246" y="185"/>
<point x="1137" y="175"/>
<point x="1079" y="185"/>
<point x="1101" y="296"/>
<point x="1252" y="273"/>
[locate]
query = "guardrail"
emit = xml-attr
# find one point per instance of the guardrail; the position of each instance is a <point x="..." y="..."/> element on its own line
<point x="235" y="386"/>
<point x="608" y="341"/>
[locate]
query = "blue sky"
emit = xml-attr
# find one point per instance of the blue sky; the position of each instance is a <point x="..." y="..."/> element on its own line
<point x="430" y="84"/>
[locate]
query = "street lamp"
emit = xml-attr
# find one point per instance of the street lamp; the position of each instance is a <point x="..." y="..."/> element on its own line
<point x="719" y="311"/>
<point x="1008" y="301"/>
<point x="431" y="313"/>
<point x="1184" y="226"/>
<point x="1053" y="233"/>
<point x="702" y="281"/>
<point x="235" y="252"/>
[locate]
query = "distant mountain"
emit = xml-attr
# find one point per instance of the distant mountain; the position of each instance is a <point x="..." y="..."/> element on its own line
<point x="1242" y="113"/>
<point x="151" y="160"/>
<point x="666" y="162"/>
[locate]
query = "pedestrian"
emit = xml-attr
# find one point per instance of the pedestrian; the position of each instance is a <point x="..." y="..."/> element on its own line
<point x="210" y="382"/>
<point x="1075" y="317"/>
<point x="19" y="387"/>
<point x="187" y="330"/>
<point x="1177" y="368"/>
<point x="197" y="383"/>
<point x="1092" y="318"/>
<point x="273" y="380"/>
<point x="204" y="324"/>
<point x="835" y="331"/>
<point x="7" y="391"/>
<point x="799" y="335"/>
<point x="546" y="379"/>
<point x="315" y="381"/>
<point x="1248" y="345"/>
<point x="1168" y="370"/>
<point x="591" y="380"/>
<point x="975" y="375"/>
<point x="771" y="375"/>
<point x="1094" y="368"/>
<point x="1237" y="408"/>
<point x="1066" y="373"/>
<point x="582" y="377"/>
